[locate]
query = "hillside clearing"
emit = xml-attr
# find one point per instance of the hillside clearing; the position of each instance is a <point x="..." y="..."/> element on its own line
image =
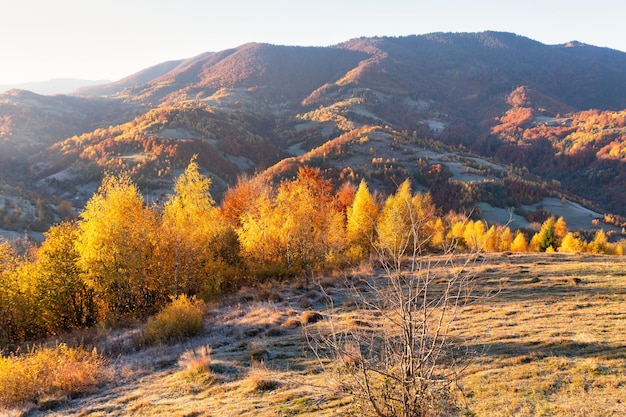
<point x="550" y="343"/>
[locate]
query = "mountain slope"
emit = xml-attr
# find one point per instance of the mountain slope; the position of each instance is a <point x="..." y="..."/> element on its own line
<point x="268" y="70"/>
<point x="505" y="98"/>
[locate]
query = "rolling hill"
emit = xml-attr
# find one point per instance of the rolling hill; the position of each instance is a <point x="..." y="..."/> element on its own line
<point x="485" y="121"/>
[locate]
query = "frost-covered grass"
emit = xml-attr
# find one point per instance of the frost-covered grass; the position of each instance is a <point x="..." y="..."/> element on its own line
<point x="550" y="342"/>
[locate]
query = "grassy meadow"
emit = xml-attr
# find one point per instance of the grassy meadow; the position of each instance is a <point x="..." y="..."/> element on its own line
<point x="549" y="340"/>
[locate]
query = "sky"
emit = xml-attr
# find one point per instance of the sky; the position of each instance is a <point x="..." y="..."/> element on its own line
<point x="111" y="39"/>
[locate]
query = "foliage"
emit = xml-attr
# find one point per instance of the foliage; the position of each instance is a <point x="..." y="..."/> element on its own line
<point x="519" y="243"/>
<point x="115" y="245"/>
<point x="67" y="302"/>
<point x="550" y="236"/>
<point x="571" y="244"/>
<point x="189" y="224"/>
<point x="405" y="222"/>
<point x="123" y="260"/>
<point x="361" y="221"/>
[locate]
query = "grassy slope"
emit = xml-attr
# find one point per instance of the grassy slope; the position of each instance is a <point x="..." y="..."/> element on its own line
<point x="552" y="341"/>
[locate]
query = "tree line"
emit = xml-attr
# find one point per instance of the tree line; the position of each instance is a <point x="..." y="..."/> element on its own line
<point x="124" y="259"/>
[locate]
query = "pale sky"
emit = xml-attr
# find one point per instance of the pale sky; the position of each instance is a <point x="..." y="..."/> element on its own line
<point x="110" y="39"/>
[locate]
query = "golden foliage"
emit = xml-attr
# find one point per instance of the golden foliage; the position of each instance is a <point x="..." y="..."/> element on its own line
<point x="361" y="222"/>
<point x="115" y="244"/>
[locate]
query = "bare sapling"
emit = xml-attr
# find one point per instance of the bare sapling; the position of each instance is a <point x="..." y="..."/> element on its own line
<point x="397" y="356"/>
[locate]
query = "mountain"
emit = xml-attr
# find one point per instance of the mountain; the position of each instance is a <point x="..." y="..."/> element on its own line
<point x="54" y="86"/>
<point x="486" y="121"/>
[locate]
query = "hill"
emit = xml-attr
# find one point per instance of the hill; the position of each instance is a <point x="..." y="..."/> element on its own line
<point x="482" y="109"/>
<point x="251" y="358"/>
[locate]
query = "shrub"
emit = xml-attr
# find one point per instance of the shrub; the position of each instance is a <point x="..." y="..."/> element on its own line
<point x="179" y="320"/>
<point x="49" y="372"/>
<point x="196" y="364"/>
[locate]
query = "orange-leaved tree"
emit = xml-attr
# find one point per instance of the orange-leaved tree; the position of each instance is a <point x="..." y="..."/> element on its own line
<point x="312" y="227"/>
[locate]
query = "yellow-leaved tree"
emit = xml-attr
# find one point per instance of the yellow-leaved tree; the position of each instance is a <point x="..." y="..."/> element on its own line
<point x="475" y="235"/>
<point x="10" y="294"/>
<point x="66" y="301"/>
<point x="571" y="244"/>
<point x="191" y="228"/>
<point x="361" y="223"/>
<point x="115" y="242"/>
<point x="249" y="207"/>
<point x="405" y="222"/>
<point x="258" y="233"/>
<point x="560" y="231"/>
<point x="600" y="244"/>
<point x="311" y="227"/>
<point x="519" y="243"/>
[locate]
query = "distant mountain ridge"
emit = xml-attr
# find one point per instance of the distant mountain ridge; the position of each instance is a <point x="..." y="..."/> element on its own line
<point x="550" y="116"/>
<point x="509" y="59"/>
<point x="53" y="86"/>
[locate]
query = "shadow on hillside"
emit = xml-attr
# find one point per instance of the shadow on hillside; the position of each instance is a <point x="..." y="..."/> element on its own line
<point x="549" y="295"/>
<point x="539" y="279"/>
<point x="553" y="347"/>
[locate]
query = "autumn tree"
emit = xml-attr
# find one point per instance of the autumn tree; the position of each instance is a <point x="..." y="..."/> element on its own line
<point x="67" y="302"/>
<point x="406" y="220"/>
<point x="600" y="244"/>
<point x="115" y="243"/>
<point x="475" y="235"/>
<point x="505" y="239"/>
<point x="191" y="229"/>
<point x="560" y="231"/>
<point x="8" y="264"/>
<point x="361" y="223"/>
<point x="545" y="238"/>
<point x="571" y="244"/>
<point x="438" y="241"/>
<point x="519" y="243"/>
<point x="312" y="228"/>
<point x="240" y="199"/>
<point x="258" y="233"/>
<point x="22" y="302"/>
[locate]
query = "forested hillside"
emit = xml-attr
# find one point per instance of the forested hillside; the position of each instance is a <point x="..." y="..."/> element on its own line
<point x="493" y="121"/>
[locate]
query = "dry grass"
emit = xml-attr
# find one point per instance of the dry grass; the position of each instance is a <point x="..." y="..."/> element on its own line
<point x="259" y="379"/>
<point x="553" y="339"/>
<point x="550" y="343"/>
<point x="49" y="374"/>
<point x="196" y="364"/>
